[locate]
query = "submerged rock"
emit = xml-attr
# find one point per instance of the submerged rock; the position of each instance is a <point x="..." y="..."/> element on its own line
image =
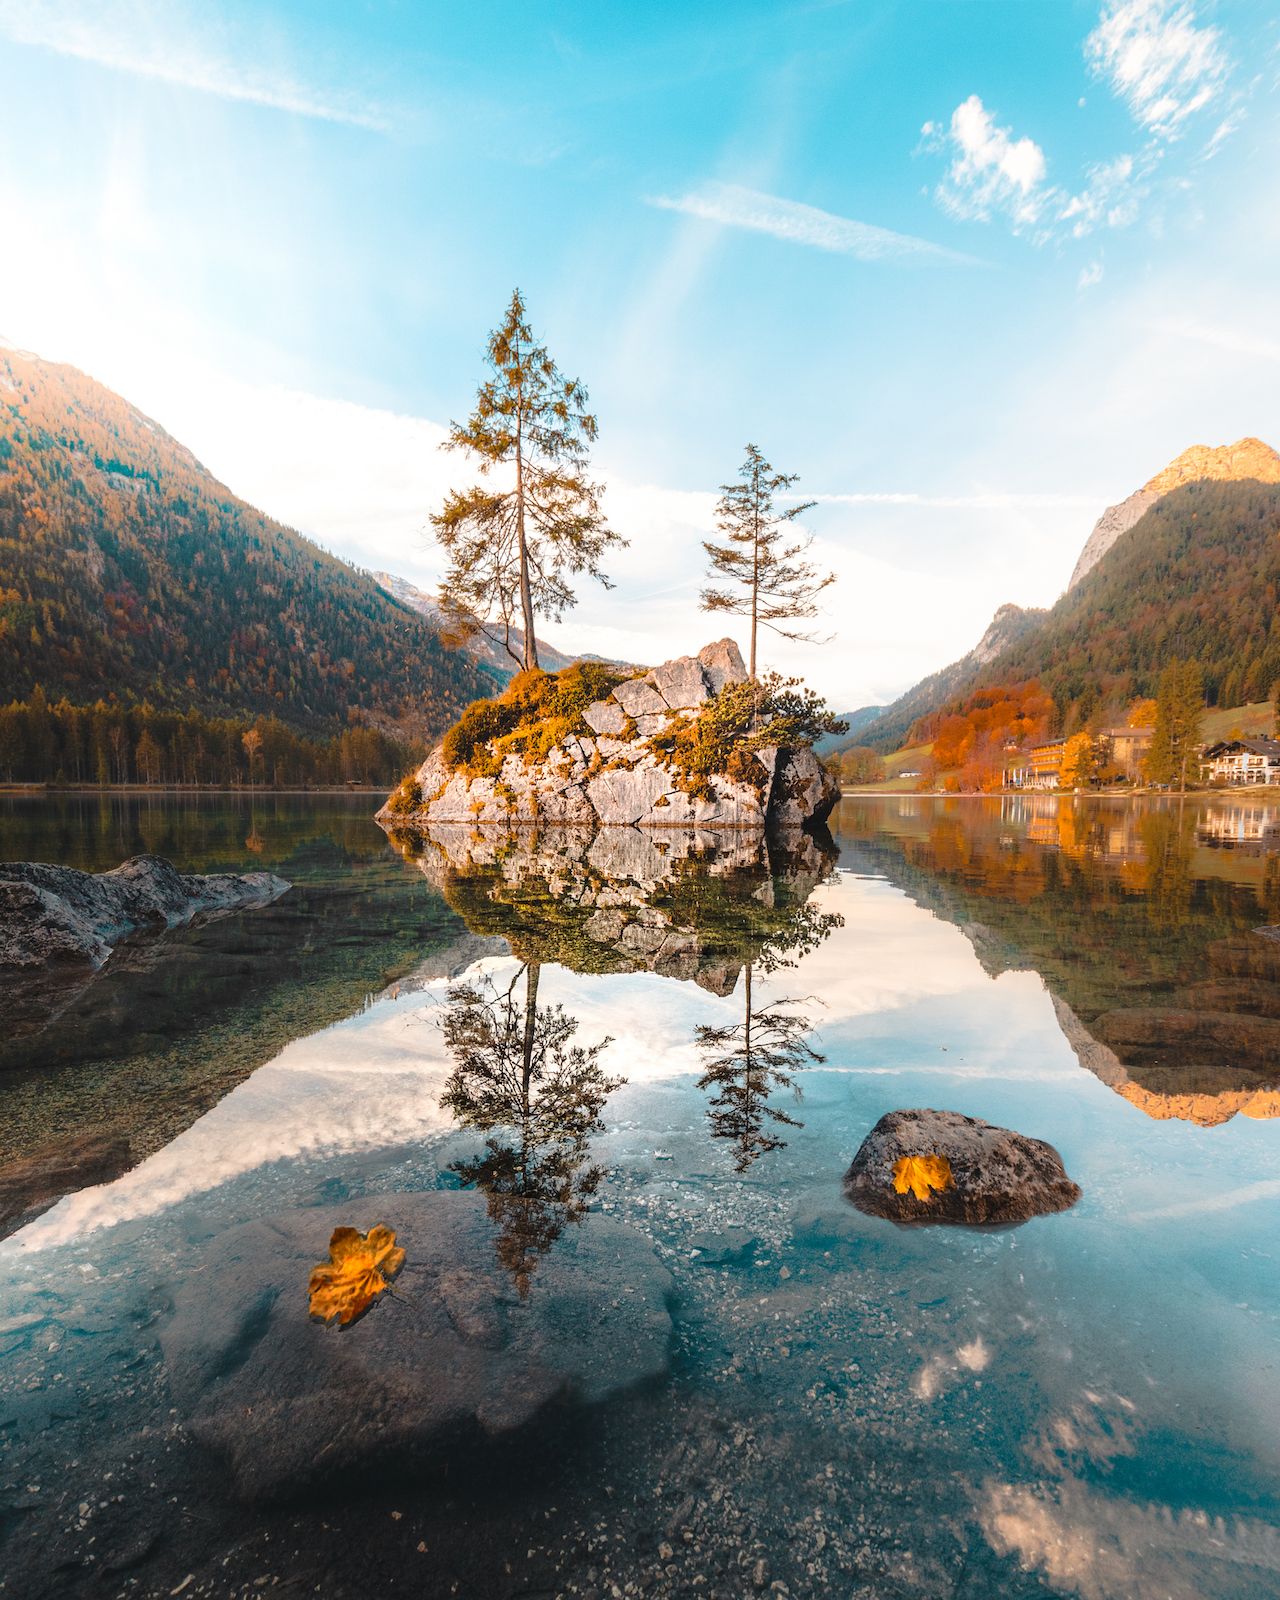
<point x="453" y="1357"/>
<point x="58" y="926"/>
<point x="610" y="776"/>
<point x="58" y="915"/>
<point x="996" y="1175"/>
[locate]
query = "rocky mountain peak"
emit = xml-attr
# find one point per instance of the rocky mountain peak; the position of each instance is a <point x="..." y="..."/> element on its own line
<point x="1246" y="458"/>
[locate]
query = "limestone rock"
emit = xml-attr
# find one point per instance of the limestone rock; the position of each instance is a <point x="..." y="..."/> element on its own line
<point x="605" y="716"/>
<point x="58" y="915"/>
<point x="722" y="662"/>
<point x="637" y="696"/>
<point x="682" y="683"/>
<point x="288" y="1402"/>
<point x="611" y="777"/>
<point x="997" y="1175"/>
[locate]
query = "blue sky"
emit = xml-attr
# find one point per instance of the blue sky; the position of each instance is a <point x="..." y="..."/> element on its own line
<point x="973" y="268"/>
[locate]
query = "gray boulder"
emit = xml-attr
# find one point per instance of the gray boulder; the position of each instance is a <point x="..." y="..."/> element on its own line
<point x="997" y="1176"/>
<point x="57" y="915"/>
<point x="455" y="1354"/>
<point x="722" y="662"/>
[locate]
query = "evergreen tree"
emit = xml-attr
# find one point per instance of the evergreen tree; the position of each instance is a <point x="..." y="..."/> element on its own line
<point x="1175" y="739"/>
<point x="511" y="549"/>
<point x="768" y="579"/>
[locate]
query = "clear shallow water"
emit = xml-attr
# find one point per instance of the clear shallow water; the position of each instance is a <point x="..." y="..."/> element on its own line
<point x="1086" y="1405"/>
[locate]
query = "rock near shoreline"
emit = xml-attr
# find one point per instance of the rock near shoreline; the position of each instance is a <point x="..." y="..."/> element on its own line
<point x="610" y="777"/>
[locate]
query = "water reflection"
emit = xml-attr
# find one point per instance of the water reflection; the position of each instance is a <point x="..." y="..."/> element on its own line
<point x="696" y="906"/>
<point x="744" y="1062"/>
<point x="1143" y="920"/>
<point x="714" y="909"/>
<point x="516" y="1069"/>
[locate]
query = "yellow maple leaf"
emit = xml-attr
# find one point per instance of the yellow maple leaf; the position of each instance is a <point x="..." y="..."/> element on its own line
<point x="921" y="1174"/>
<point x="359" y="1269"/>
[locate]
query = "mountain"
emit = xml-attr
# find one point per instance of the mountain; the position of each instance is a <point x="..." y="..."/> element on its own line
<point x="1185" y="566"/>
<point x="889" y="730"/>
<point x="128" y="571"/>
<point x="863" y="717"/>
<point x="1247" y="458"/>
<point x="483" y="648"/>
<point x="1198" y="575"/>
<point x="489" y="652"/>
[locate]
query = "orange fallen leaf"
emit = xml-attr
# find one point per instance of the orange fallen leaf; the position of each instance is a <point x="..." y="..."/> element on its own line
<point x="921" y="1174"/>
<point x="359" y="1269"/>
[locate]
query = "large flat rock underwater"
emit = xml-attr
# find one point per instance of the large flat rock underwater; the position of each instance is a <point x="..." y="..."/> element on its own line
<point x="605" y="767"/>
<point x="454" y="1358"/>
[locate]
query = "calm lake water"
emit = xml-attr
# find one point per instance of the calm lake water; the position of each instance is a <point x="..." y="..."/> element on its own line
<point x="1086" y="1405"/>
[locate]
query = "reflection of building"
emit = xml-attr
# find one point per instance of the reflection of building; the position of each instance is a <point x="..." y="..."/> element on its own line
<point x="1244" y="761"/>
<point x="1239" y="824"/>
<point x="1128" y="748"/>
<point x="1039" y="768"/>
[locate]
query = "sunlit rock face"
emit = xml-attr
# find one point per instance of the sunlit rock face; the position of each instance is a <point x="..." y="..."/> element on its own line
<point x="696" y="904"/>
<point x="454" y="1354"/>
<point x="988" y="1174"/>
<point x="610" y="777"/>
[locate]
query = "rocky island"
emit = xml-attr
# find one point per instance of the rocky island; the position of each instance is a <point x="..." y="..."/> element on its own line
<point x="690" y="743"/>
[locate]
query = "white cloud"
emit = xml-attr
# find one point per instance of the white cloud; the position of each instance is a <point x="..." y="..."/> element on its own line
<point x="992" y="173"/>
<point x="1109" y="198"/>
<point x="1090" y="275"/>
<point x="1159" y="60"/>
<point x="733" y="206"/>
<point x="991" y="170"/>
<point x="161" y="44"/>
<point x="1234" y="341"/>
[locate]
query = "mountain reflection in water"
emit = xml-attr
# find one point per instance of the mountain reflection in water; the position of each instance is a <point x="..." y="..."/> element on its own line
<point x="1163" y="966"/>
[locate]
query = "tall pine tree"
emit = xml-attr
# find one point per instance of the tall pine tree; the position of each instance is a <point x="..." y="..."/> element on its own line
<point x="1174" y="754"/>
<point x="512" y="548"/>
<point x="766" y="576"/>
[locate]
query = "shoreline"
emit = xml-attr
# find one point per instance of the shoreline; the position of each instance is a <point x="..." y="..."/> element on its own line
<point x="49" y="790"/>
<point x="1201" y="792"/>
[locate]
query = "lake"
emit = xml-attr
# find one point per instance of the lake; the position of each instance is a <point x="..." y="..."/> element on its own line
<point x="641" y="1343"/>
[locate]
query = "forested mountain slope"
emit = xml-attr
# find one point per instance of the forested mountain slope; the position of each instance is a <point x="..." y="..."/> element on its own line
<point x="889" y="730"/>
<point x="128" y="571"/>
<point x="1197" y="576"/>
<point x="1184" y="567"/>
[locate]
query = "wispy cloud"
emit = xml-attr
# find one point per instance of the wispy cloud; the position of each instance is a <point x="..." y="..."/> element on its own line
<point x="1236" y="341"/>
<point x="732" y="206"/>
<point x="163" y="44"/>
<point x="1159" y="60"/>
<point x="991" y="500"/>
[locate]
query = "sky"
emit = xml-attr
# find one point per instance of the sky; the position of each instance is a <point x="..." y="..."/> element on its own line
<point x="973" y="269"/>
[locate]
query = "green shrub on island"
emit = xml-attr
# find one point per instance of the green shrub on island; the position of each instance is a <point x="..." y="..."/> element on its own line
<point x="535" y="712"/>
<point x="742" y="719"/>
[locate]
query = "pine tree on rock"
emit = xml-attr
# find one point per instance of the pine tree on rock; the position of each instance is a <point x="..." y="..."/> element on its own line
<point x="764" y="570"/>
<point x="512" y="548"/>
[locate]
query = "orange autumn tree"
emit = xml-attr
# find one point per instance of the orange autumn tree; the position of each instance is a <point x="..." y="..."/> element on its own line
<point x="973" y="735"/>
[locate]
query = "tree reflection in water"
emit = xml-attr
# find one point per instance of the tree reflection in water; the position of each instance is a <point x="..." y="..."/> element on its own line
<point x="745" y="1062"/>
<point x="515" y="1068"/>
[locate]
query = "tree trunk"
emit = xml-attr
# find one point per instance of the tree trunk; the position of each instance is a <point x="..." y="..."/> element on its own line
<point x="526" y="596"/>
